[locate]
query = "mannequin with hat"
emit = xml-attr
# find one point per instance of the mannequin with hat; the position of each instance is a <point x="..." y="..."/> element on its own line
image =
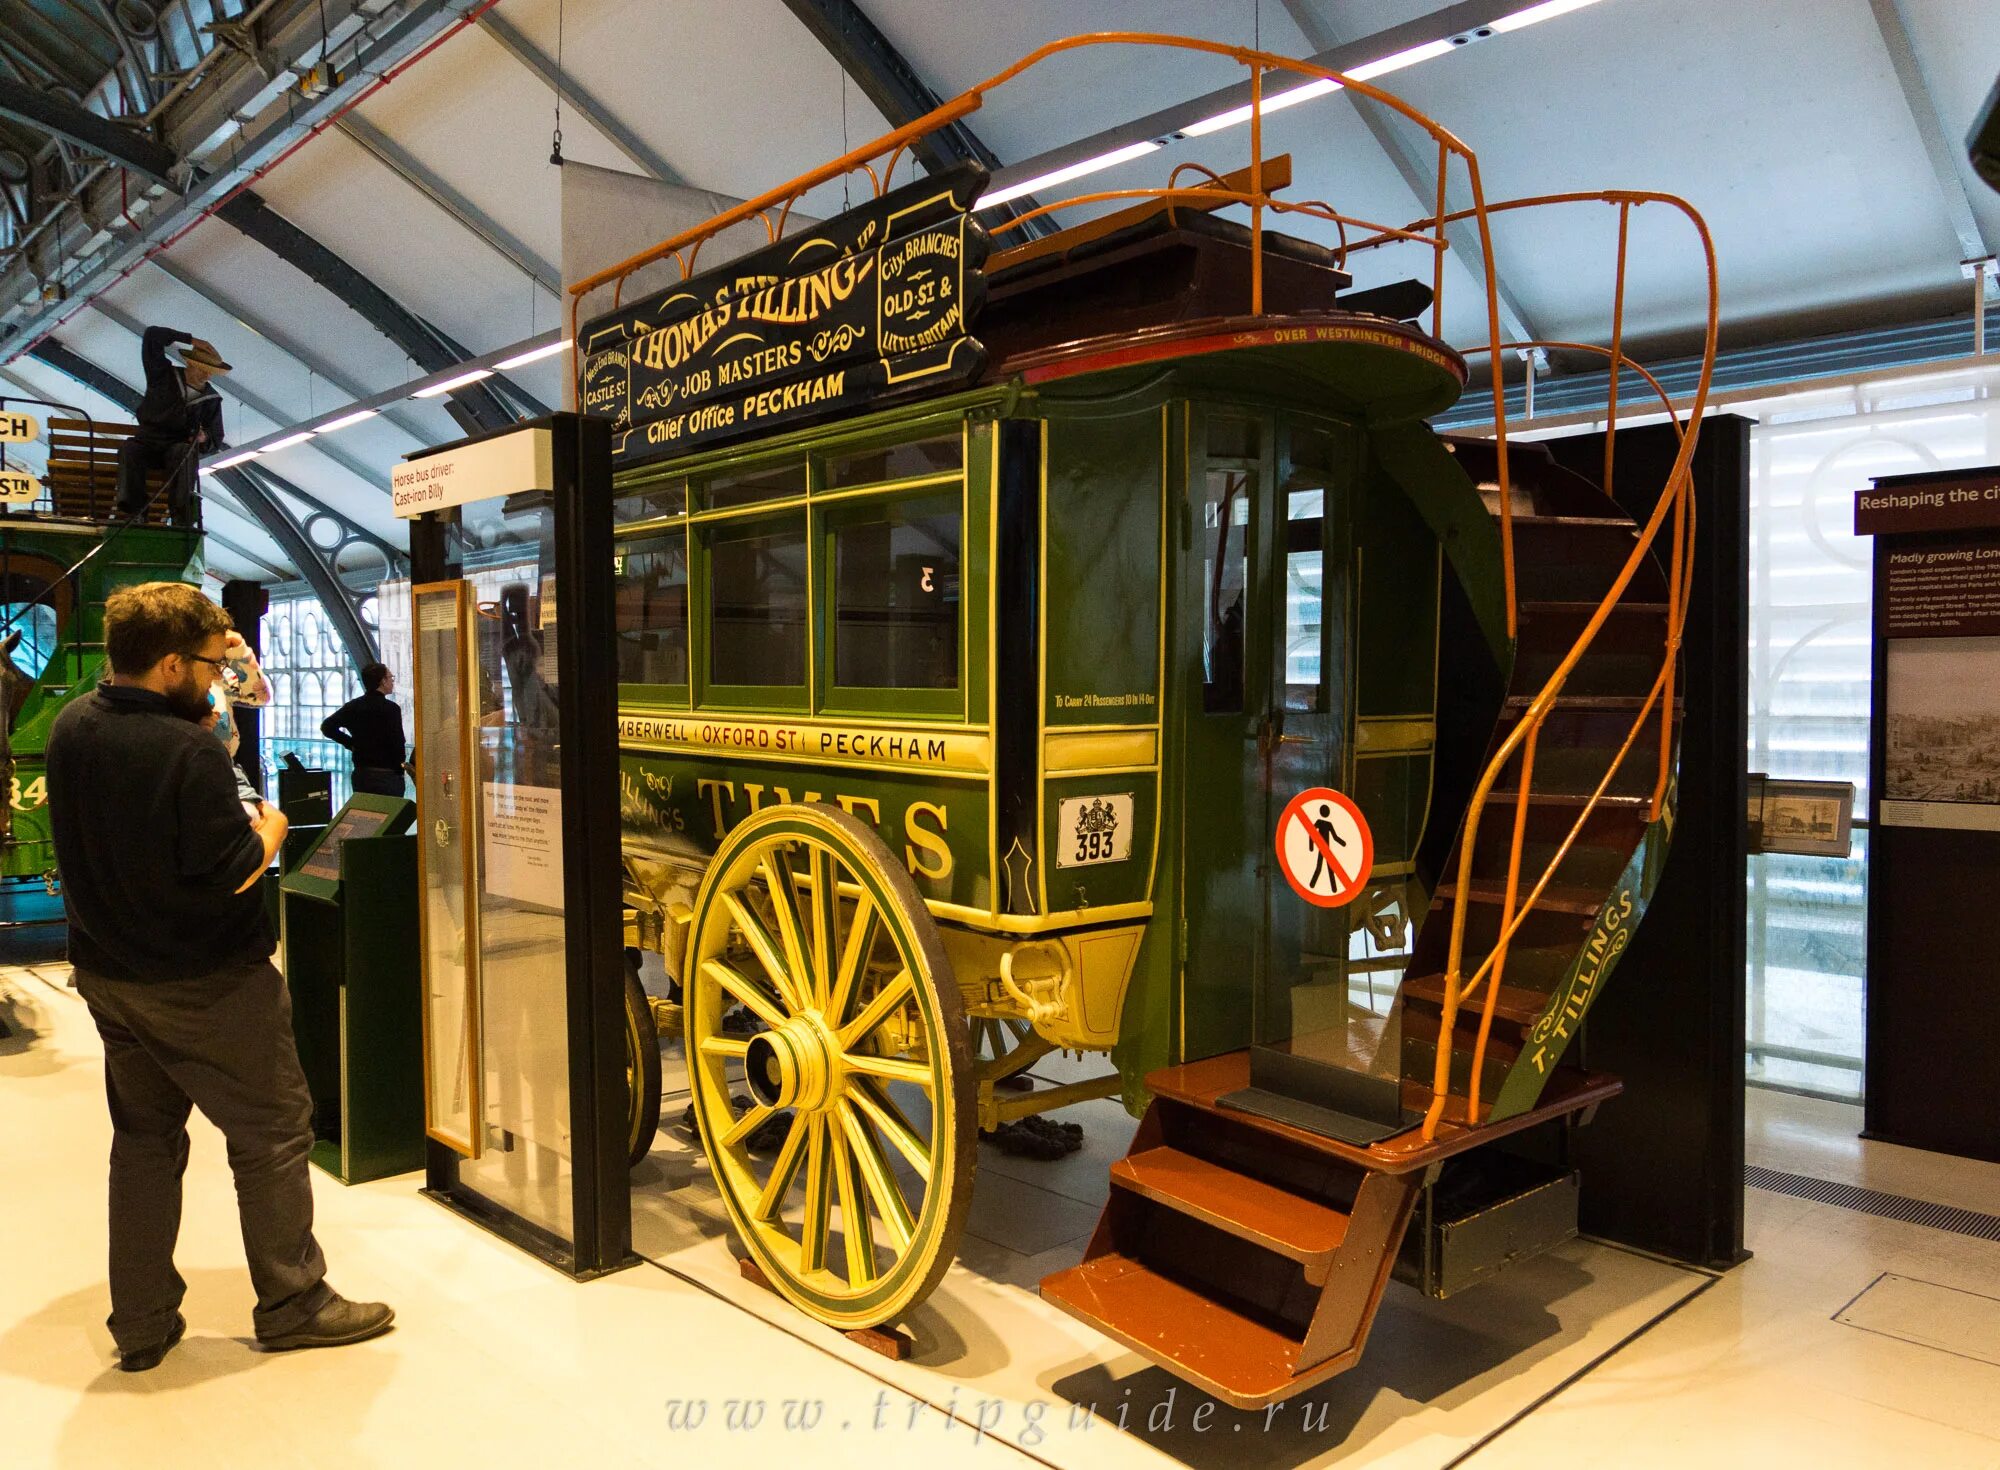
<point x="180" y="419"/>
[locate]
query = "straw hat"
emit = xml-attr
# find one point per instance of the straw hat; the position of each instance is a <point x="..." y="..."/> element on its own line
<point x="202" y="355"/>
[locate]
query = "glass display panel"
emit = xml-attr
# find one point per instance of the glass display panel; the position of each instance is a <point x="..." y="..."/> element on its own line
<point x="652" y="608"/>
<point x="650" y="502"/>
<point x="757" y="603"/>
<point x="934" y="456"/>
<point x="452" y="1063"/>
<point x="769" y="482"/>
<point x="526" y="1165"/>
<point x="896" y="594"/>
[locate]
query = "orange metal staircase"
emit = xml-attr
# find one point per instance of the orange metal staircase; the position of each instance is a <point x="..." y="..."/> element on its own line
<point x="1249" y="1256"/>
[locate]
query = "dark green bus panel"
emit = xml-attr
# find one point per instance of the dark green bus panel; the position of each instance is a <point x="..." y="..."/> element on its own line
<point x="1068" y="652"/>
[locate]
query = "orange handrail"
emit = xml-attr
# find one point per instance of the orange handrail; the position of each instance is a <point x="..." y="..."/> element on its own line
<point x="1676" y="501"/>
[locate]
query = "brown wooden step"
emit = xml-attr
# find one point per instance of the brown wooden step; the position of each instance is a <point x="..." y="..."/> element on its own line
<point x="1517" y="1004"/>
<point x="1306" y="1230"/>
<point x="1555" y="899"/>
<point x="1594" y="523"/>
<point x="1585" y="610"/>
<point x="1509" y="795"/>
<point x="1589" y="703"/>
<point x="1220" y="1350"/>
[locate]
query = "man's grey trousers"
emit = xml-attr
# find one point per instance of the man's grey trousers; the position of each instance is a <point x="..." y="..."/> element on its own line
<point x="223" y="1044"/>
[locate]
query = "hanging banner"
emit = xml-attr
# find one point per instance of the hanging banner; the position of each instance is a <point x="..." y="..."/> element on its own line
<point x="873" y="302"/>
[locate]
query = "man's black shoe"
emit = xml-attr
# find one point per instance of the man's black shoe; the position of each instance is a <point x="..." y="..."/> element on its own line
<point x="336" y="1324"/>
<point x="145" y="1359"/>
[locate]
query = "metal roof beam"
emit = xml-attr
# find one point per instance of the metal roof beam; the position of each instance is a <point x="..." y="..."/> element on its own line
<point x="1894" y="24"/>
<point x="475" y="406"/>
<point x="642" y="155"/>
<point x="56" y="115"/>
<point x="80" y="246"/>
<point x="341" y="607"/>
<point x="399" y="161"/>
<point x="887" y="80"/>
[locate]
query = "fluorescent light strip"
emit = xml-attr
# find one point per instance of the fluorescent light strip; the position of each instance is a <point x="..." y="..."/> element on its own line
<point x="450" y="383"/>
<point x="1369" y="70"/>
<point x="1321" y="88"/>
<point x="1547" y="10"/>
<point x="532" y="355"/>
<point x="1236" y="116"/>
<point x="349" y="420"/>
<point x="235" y="459"/>
<point x="1074" y="171"/>
<point x="288" y="441"/>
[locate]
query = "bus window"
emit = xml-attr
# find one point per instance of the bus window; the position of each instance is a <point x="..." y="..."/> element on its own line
<point x="651" y="502"/>
<point x="1305" y="569"/>
<point x="1225" y="592"/>
<point x="757" y="603"/>
<point x="651" y="595"/>
<point x="747" y="487"/>
<point x="895" y="594"/>
<point x="937" y="456"/>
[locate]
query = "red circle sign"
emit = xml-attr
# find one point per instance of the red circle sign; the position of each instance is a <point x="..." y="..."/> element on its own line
<point x="1325" y="849"/>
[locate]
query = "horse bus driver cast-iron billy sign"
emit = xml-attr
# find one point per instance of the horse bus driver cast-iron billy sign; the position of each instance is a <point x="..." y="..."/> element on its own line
<point x="869" y="303"/>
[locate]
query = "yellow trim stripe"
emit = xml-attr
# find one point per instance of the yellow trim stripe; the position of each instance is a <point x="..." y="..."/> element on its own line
<point x="1068" y="751"/>
<point x="942" y="750"/>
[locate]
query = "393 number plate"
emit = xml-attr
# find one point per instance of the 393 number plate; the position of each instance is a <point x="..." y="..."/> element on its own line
<point x="1094" y="829"/>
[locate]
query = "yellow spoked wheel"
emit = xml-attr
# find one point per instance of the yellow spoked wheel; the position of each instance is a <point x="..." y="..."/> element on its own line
<point x="642" y="1068"/>
<point x="810" y="923"/>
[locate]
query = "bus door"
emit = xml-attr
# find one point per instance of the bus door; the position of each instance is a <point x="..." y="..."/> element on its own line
<point x="1269" y="722"/>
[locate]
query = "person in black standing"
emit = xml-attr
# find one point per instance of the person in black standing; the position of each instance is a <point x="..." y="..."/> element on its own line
<point x="180" y="419"/>
<point x="371" y="728"/>
<point x="171" y="949"/>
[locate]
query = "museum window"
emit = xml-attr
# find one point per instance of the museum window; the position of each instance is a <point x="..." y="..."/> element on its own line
<point x="1810" y="684"/>
<point x="1305" y="503"/>
<point x="757" y="605"/>
<point x="895" y="593"/>
<point x="651" y="608"/>
<point x="311" y="676"/>
<point x="652" y="501"/>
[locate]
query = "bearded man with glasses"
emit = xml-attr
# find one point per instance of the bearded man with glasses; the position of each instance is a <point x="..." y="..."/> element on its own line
<point x="171" y="947"/>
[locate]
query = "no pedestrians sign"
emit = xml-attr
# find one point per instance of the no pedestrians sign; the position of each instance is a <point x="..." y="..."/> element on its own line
<point x="1325" y="847"/>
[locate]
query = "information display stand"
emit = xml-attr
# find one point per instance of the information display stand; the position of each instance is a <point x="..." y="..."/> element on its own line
<point x="524" y="1067"/>
<point x="1934" y="810"/>
<point x="349" y="919"/>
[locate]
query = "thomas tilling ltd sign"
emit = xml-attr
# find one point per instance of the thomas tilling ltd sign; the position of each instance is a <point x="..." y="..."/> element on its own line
<point x="871" y="303"/>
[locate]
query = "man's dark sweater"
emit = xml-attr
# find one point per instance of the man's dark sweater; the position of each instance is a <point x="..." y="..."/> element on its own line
<point x="371" y="727"/>
<point x="151" y="842"/>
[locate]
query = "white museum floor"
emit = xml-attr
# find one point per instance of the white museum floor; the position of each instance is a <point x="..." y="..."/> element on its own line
<point x="1849" y="1340"/>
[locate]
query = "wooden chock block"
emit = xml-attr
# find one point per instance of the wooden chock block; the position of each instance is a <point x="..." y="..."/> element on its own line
<point x="890" y="1342"/>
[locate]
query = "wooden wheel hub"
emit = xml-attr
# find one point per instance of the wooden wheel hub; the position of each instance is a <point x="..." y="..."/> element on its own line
<point x="792" y="1066"/>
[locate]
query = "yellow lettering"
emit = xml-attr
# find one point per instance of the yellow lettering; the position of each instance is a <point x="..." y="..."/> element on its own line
<point x="713" y="790"/>
<point x="932" y="842"/>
